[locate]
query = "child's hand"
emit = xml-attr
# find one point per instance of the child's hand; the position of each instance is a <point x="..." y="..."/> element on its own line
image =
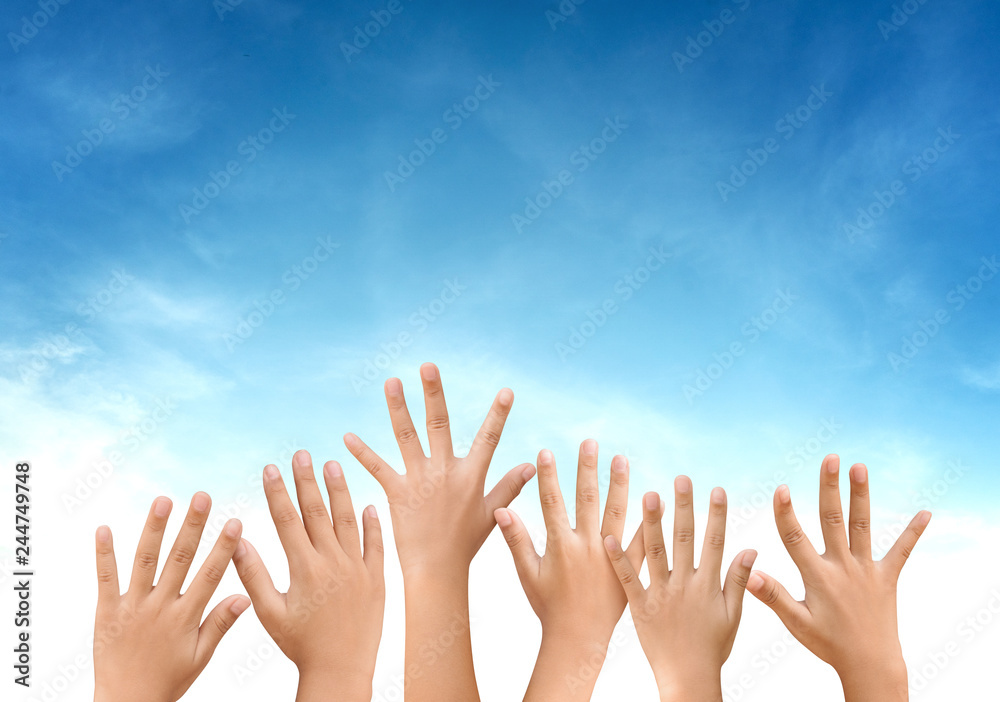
<point x="573" y="587"/>
<point x="329" y="623"/>
<point x="439" y="519"/>
<point x="685" y="620"/>
<point x="439" y="515"/>
<point x="150" y="643"/>
<point x="848" y="617"/>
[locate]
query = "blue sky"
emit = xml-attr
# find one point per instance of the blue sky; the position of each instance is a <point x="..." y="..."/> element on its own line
<point x="833" y="302"/>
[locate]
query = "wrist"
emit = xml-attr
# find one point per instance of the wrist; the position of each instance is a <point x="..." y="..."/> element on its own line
<point x="328" y="685"/>
<point x="690" y="685"/>
<point x="875" y="681"/>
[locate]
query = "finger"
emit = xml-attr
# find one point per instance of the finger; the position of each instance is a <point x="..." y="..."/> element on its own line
<point x="147" y="553"/>
<point x="830" y="511"/>
<point x="550" y="496"/>
<point x="587" y="490"/>
<point x="218" y="622"/>
<point x="652" y="536"/>
<point x="286" y="520"/>
<point x="374" y="555"/>
<point x="489" y="433"/>
<point x="683" y="525"/>
<point x="901" y="550"/>
<point x="526" y="559"/>
<point x="185" y="547"/>
<point x="402" y="425"/>
<point x="715" y="534"/>
<point x="796" y="542"/>
<point x="736" y="583"/>
<point x="509" y="487"/>
<point x="107" y="568"/>
<point x="617" y="502"/>
<point x="344" y="522"/>
<point x="628" y="576"/>
<point x="380" y="470"/>
<point x="314" y="515"/>
<point x="210" y="574"/>
<point x="438" y="426"/>
<point x="792" y="613"/>
<point x="249" y="566"/>
<point x="860" y="524"/>
<point x="636" y="551"/>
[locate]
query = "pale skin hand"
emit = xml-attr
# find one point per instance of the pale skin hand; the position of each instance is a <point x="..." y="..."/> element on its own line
<point x="150" y="644"/>
<point x="329" y="623"/>
<point x="848" y="617"/>
<point x="686" y="621"/>
<point x="440" y="519"/>
<point x="573" y="588"/>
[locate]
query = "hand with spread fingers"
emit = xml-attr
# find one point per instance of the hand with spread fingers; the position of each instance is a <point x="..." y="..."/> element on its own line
<point x="848" y="617"/>
<point x="686" y="621"/>
<point x="329" y="623"/>
<point x="440" y="519"/>
<point x="150" y="644"/>
<point x="572" y="588"/>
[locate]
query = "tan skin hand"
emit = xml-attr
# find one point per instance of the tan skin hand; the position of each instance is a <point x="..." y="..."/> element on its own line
<point x="329" y="623"/>
<point x="573" y="588"/>
<point x="686" y="621"/>
<point x="848" y="617"/>
<point x="150" y="644"/>
<point x="440" y="519"/>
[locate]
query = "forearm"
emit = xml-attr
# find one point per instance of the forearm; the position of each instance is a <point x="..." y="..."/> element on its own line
<point x="439" y="665"/>
<point x="882" y="682"/>
<point x="315" y="686"/>
<point x="566" y="669"/>
<point x="691" y="685"/>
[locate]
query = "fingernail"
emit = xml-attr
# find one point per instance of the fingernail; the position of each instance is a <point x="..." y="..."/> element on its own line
<point x="748" y="558"/>
<point x="301" y="458"/>
<point x="201" y="502"/>
<point x="925" y="518"/>
<point x="429" y="371"/>
<point x="682" y="484"/>
<point x="651" y="501"/>
<point x="333" y="470"/>
<point x="589" y="447"/>
<point x="755" y="582"/>
<point x="784" y="496"/>
<point x="241" y="549"/>
<point x="162" y="507"/>
<point x="528" y="472"/>
<point x="271" y="473"/>
<point x="505" y="397"/>
<point x="233" y="528"/>
<point x="859" y="474"/>
<point x="718" y="496"/>
<point x="394" y="387"/>
<point x="832" y="466"/>
<point x="503" y="518"/>
<point x="618" y="464"/>
<point x="103" y="534"/>
<point x="545" y="456"/>
<point x="611" y="543"/>
<point x="239" y="606"/>
<point x="370" y="511"/>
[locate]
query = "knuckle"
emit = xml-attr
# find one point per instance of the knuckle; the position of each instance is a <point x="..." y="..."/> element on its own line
<point x="182" y="555"/>
<point x="715" y="540"/>
<point x="346" y="520"/>
<point x="438" y="422"/>
<point x="213" y="573"/>
<point x="771" y="593"/>
<point x="656" y="552"/>
<point x="550" y="499"/>
<point x="588" y="496"/>
<point x="285" y="517"/>
<point x="406" y="435"/>
<point x="684" y="535"/>
<point x="615" y="511"/>
<point x="314" y="510"/>
<point x="145" y="561"/>
<point x="833" y="517"/>
<point x="861" y="526"/>
<point x="794" y="536"/>
<point x="490" y="437"/>
<point x="740" y="578"/>
<point x="106" y="575"/>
